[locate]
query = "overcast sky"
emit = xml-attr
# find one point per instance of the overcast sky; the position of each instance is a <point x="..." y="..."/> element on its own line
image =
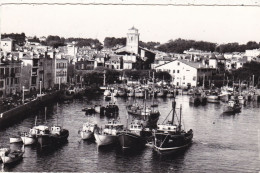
<point x="220" y="24"/>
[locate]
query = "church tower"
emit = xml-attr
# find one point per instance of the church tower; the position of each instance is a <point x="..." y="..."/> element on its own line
<point x="132" y="41"/>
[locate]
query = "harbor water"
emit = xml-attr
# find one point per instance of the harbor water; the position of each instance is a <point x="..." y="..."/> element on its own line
<point x="221" y="143"/>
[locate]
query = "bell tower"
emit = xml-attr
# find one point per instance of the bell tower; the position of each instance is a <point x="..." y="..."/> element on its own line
<point x="132" y="41"/>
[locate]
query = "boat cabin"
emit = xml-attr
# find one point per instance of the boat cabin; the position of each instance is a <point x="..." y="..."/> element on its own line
<point x="89" y="126"/>
<point x="55" y="130"/>
<point x="136" y="127"/>
<point x="39" y="130"/>
<point x="112" y="129"/>
<point x="231" y="103"/>
<point x="167" y="128"/>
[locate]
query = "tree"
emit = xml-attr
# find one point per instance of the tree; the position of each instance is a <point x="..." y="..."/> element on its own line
<point x="110" y="42"/>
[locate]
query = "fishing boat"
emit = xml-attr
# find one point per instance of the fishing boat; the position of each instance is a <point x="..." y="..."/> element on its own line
<point x="87" y="131"/>
<point x="194" y="99"/>
<point x="110" y="110"/>
<point x="89" y="110"/>
<point x="31" y="137"/>
<point x="241" y="100"/>
<point x="170" y="93"/>
<point x="122" y="92"/>
<point x="57" y="135"/>
<point x="212" y="97"/>
<point x="139" y="93"/>
<point x="108" y="135"/>
<point x="134" y="137"/>
<point x="232" y="107"/>
<point x="8" y="156"/>
<point x="161" y="93"/>
<point x="134" y="109"/>
<point x="130" y="92"/>
<point x="171" y="137"/>
<point x="107" y="93"/>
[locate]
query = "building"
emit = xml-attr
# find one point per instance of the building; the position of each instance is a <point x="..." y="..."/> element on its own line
<point x="252" y="53"/>
<point x="52" y="70"/>
<point x="7" y="44"/>
<point x="187" y="73"/>
<point x="10" y="75"/>
<point x="115" y="62"/>
<point x="143" y="57"/>
<point x="30" y="71"/>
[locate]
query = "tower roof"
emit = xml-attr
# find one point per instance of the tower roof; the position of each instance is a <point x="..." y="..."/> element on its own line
<point x="133" y="28"/>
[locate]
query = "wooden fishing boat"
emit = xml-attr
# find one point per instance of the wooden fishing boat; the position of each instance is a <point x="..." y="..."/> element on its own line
<point x="232" y="107"/>
<point x="241" y="100"/>
<point x="56" y="136"/>
<point x="195" y="100"/>
<point x="212" y="97"/>
<point x="31" y="137"/>
<point x="134" y="137"/>
<point x="87" y="131"/>
<point x="108" y="135"/>
<point x="171" y="137"/>
<point x="139" y="93"/>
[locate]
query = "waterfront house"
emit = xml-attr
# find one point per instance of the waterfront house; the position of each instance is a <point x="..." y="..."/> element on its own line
<point x="10" y="74"/>
<point x="186" y="73"/>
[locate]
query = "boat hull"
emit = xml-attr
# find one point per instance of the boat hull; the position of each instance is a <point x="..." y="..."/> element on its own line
<point x="53" y="140"/>
<point x="15" y="140"/>
<point x="86" y="135"/>
<point x="102" y="139"/>
<point x="128" y="140"/>
<point x="28" y="140"/>
<point x="165" y="143"/>
<point x="212" y="99"/>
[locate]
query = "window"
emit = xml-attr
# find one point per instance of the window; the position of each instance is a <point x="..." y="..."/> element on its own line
<point x="178" y="71"/>
<point x="17" y="70"/>
<point x="173" y="71"/>
<point x="178" y="63"/>
<point x="1" y="84"/>
<point x="194" y="78"/>
<point x="183" y="77"/>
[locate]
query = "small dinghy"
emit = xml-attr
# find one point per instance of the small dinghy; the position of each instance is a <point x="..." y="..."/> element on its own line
<point x="8" y="156"/>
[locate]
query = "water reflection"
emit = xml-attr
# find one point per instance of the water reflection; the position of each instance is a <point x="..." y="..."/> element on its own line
<point x="219" y="140"/>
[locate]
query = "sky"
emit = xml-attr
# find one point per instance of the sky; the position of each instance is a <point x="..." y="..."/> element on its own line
<point x="218" y="24"/>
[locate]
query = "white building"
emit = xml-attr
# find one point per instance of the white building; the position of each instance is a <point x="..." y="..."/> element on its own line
<point x="7" y="44"/>
<point x="186" y="73"/>
<point x="252" y="53"/>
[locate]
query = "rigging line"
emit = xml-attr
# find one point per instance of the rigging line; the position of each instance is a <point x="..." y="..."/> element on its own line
<point x="167" y="116"/>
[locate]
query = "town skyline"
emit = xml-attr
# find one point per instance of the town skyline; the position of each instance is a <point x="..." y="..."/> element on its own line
<point x="159" y="24"/>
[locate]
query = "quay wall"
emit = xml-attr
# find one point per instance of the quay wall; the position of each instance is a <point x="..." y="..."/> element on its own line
<point x="13" y="115"/>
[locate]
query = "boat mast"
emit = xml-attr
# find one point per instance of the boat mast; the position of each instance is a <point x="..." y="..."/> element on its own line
<point x="35" y="120"/>
<point x="173" y="110"/>
<point x="180" y="117"/>
<point x="45" y="115"/>
<point x="104" y="82"/>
